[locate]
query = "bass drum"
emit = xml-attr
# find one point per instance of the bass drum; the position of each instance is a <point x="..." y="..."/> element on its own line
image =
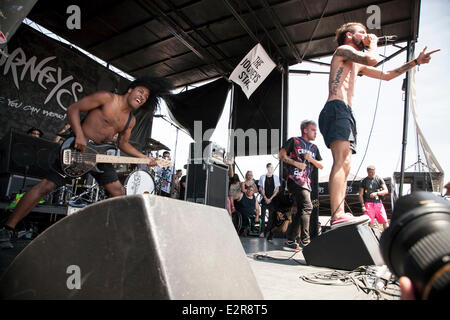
<point x="139" y="182"/>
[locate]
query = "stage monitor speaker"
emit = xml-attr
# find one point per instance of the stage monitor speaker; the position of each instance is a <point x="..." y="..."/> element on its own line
<point x="207" y="184"/>
<point x="344" y="248"/>
<point x="27" y="155"/>
<point x="135" y="247"/>
<point x="13" y="13"/>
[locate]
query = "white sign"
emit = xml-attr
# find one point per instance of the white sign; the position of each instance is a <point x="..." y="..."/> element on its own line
<point x="252" y="70"/>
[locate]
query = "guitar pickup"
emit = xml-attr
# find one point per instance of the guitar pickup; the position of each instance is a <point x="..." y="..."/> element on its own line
<point x="67" y="157"/>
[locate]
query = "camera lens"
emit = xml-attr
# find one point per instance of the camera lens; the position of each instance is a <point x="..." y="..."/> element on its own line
<point x="417" y="243"/>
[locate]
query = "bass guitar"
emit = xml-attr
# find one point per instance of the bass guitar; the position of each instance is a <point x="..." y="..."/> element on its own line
<point x="75" y="164"/>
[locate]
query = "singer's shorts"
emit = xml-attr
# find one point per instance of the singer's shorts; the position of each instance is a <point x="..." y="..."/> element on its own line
<point x="336" y="122"/>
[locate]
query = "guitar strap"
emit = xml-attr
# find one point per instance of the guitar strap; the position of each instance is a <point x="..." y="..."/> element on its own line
<point x="126" y="127"/>
<point x="128" y="123"/>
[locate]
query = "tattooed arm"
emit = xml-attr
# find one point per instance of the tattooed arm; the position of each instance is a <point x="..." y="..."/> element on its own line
<point x="391" y="74"/>
<point x="369" y="58"/>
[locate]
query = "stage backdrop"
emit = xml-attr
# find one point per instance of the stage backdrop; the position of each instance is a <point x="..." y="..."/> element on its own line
<point x="204" y="104"/>
<point x="40" y="77"/>
<point x="257" y="121"/>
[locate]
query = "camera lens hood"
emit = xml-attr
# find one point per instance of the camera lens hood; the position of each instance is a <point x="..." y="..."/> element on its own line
<point x="417" y="243"/>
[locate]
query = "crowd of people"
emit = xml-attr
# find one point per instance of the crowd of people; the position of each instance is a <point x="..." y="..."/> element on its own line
<point x="259" y="203"/>
<point x="272" y="208"/>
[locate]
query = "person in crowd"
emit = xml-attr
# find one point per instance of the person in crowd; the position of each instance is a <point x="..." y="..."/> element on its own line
<point x="35" y="132"/>
<point x="249" y="181"/>
<point x="165" y="177"/>
<point x="372" y="188"/>
<point x="182" y="195"/>
<point x="282" y="216"/>
<point x="300" y="155"/>
<point x="233" y="190"/>
<point x="176" y="184"/>
<point x="269" y="186"/>
<point x="447" y="191"/>
<point x="248" y="206"/>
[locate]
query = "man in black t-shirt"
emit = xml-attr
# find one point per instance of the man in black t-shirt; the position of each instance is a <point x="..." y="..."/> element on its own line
<point x="300" y="155"/>
<point x="269" y="185"/>
<point x="372" y="188"/>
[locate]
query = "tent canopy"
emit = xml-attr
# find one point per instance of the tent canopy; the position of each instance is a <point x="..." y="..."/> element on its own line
<point x="189" y="41"/>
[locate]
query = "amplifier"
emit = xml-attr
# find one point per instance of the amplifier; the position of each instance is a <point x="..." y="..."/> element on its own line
<point x="207" y="184"/>
<point x="208" y="152"/>
<point x="27" y="155"/>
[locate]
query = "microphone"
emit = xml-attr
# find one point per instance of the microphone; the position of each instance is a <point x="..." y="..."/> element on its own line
<point x="384" y="39"/>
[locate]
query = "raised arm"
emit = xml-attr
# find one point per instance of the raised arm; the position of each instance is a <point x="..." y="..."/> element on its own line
<point x="391" y="74"/>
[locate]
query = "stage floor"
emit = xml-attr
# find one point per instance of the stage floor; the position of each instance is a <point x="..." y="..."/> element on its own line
<point x="279" y="273"/>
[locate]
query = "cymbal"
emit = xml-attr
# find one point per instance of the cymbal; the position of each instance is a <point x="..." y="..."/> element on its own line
<point x="135" y="144"/>
<point x="152" y="141"/>
<point x="154" y="145"/>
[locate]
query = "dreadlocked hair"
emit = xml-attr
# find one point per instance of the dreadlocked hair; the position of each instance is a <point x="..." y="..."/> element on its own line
<point x="159" y="88"/>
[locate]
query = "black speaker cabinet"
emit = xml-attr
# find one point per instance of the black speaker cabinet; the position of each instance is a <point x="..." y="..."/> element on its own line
<point x="344" y="248"/>
<point x="27" y="155"/>
<point x="207" y="184"/>
<point x="135" y="247"/>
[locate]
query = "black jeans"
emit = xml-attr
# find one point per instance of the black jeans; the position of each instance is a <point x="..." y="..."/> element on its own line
<point x="272" y="215"/>
<point x="303" y="215"/>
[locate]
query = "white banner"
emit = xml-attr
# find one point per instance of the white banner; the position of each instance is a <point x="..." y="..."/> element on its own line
<point x="252" y="70"/>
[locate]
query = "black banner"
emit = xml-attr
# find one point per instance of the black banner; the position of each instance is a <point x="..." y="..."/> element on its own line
<point x="257" y="121"/>
<point x="41" y="77"/>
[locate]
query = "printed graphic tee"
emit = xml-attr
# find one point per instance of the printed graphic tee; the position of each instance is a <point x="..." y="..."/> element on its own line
<point x="296" y="148"/>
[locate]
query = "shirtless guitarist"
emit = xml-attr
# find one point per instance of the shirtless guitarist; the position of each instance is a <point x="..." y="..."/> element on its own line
<point x="108" y="114"/>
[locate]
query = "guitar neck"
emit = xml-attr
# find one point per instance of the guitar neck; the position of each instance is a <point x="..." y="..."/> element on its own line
<point x="104" y="158"/>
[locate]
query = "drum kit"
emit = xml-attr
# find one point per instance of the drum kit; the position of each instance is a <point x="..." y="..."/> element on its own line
<point x="136" y="179"/>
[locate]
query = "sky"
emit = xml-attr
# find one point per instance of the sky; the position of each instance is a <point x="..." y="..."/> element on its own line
<point x="308" y="94"/>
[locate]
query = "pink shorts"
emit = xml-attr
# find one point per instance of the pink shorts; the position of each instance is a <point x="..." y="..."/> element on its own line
<point x="375" y="210"/>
